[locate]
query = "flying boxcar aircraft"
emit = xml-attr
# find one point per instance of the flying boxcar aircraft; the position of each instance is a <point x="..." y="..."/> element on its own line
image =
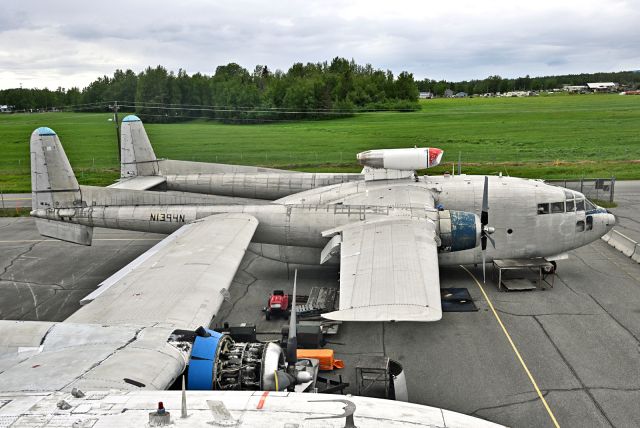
<point x="109" y="363"/>
<point x="140" y="169"/>
<point x="388" y="235"/>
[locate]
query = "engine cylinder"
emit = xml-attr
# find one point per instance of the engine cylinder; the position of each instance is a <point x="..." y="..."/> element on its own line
<point x="458" y="230"/>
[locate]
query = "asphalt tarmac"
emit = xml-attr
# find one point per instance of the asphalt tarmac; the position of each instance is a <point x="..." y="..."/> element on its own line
<point x="577" y="343"/>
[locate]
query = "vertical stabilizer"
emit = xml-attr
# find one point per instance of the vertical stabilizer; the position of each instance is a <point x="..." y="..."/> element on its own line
<point x="55" y="192"/>
<point x="136" y="154"/>
<point x="53" y="184"/>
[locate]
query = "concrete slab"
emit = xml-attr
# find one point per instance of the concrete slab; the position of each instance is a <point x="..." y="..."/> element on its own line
<point x="579" y="340"/>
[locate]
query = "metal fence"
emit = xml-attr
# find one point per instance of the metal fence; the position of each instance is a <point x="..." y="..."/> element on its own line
<point x="602" y="189"/>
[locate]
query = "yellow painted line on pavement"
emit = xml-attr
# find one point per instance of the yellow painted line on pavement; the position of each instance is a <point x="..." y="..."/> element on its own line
<point x="515" y="349"/>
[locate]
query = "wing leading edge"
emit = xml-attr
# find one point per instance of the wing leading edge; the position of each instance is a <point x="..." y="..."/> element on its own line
<point x="388" y="271"/>
<point x="181" y="283"/>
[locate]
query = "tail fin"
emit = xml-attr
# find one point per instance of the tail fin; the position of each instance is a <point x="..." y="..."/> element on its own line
<point x="136" y="154"/>
<point x="55" y="192"/>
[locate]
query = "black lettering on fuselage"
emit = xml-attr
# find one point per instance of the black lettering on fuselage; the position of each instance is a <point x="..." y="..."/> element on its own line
<point x="178" y="218"/>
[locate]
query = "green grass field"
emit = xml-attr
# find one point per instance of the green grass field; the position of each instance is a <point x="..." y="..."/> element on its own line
<point x="541" y="137"/>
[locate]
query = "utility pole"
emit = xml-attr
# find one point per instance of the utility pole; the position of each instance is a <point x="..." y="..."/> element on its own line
<point x="115" y="108"/>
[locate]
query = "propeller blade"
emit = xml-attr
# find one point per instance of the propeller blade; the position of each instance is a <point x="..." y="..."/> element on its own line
<point x="483" y="240"/>
<point x="292" y="340"/>
<point x="484" y="218"/>
<point x="493" y="241"/>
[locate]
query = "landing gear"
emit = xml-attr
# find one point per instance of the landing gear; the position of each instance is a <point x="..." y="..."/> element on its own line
<point x="551" y="270"/>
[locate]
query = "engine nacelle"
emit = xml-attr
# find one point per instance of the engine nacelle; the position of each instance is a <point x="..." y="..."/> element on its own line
<point x="401" y="159"/>
<point x="458" y="230"/>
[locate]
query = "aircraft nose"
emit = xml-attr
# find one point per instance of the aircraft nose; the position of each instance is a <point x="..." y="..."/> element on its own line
<point x="611" y="220"/>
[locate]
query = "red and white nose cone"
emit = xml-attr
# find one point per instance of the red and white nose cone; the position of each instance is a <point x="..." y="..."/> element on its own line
<point x="435" y="156"/>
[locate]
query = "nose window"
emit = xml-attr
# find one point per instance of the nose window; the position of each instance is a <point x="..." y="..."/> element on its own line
<point x="589" y="222"/>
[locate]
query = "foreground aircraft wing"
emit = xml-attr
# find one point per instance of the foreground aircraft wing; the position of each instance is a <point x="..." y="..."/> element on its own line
<point x="140" y="182"/>
<point x="388" y="271"/>
<point x="181" y="281"/>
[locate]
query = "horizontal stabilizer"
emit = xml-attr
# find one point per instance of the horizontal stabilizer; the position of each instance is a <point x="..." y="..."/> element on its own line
<point x="140" y="182"/>
<point x="70" y="232"/>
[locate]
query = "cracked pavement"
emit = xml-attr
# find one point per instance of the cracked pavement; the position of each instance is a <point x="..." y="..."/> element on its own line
<point x="580" y="339"/>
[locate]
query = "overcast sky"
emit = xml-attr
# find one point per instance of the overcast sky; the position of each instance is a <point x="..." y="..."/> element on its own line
<point x="70" y="43"/>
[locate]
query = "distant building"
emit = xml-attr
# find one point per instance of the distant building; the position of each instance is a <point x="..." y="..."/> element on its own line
<point x="425" y="95"/>
<point x="517" y="94"/>
<point x="575" y="88"/>
<point x="602" y="86"/>
<point x="448" y="93"/>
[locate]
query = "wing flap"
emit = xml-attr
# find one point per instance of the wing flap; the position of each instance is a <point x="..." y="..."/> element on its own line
<point x="389" y="272"/>
<point x="182" y="283"/>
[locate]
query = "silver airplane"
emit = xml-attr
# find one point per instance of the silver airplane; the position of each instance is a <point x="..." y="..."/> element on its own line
<point x="389" y="236"/>
<point x="140" y="169"/>
<point x="110" y="362"/>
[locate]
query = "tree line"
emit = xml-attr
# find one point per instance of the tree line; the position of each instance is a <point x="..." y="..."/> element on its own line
<point x="312" y="90"/>
<point x="494" y="84"/>
<point x="232" y="93"/>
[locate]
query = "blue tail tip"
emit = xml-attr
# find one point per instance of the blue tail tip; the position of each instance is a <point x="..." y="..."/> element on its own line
<point x="43" y="130"/>
<point x="131" y="118"/>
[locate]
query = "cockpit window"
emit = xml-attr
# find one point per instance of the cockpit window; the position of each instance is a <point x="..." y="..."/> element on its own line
<point x="589" y="205"/>
<point x="543" y="209"/>
<point x="570" y="205"/>
<point x="580" y="205"/>
<point x="557" y="207"/>
<point x="568" y="194"/>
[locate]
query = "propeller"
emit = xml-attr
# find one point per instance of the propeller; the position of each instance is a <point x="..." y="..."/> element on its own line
<point x="293" y="375"/>
<point x="486" y="229"/>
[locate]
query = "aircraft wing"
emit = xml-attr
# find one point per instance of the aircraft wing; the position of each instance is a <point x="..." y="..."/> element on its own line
<point x="179" y="282"/>
<point x="140" y="182"/>
<point x="388" y="271"/>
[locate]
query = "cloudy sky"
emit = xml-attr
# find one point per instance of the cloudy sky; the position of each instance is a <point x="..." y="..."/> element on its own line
<point x="70" y="43"/>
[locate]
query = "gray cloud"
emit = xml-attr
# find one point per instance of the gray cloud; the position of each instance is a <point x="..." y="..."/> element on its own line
<point x="72" y="43"/>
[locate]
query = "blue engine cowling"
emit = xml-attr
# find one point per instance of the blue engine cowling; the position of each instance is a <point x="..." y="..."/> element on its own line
<point x="202" y="363"/>
<point x="458" y="231"/>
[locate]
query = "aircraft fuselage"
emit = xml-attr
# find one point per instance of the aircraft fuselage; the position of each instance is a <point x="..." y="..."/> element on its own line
<point x="524" y="228"/>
